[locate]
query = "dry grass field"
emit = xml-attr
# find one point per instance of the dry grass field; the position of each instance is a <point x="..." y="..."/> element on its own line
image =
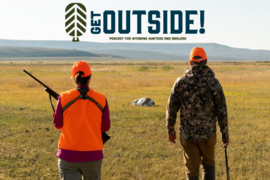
<point x="139" y="148"/>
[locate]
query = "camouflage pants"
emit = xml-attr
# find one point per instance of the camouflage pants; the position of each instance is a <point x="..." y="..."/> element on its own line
<point x="198" y="152"/>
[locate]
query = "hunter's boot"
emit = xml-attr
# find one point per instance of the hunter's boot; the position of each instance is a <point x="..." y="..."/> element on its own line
<point x="208" y="172"/>
<point x="193" y="178"/>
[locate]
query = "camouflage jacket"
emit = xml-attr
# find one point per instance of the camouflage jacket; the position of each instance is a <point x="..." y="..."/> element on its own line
<point x="200" y="98"/>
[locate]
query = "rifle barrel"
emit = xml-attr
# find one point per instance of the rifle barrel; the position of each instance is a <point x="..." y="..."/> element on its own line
<point x="35" y="78"/>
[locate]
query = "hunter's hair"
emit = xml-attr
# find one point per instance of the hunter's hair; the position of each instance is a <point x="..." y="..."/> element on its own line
<point x="81" y="81"/>
<point x="198" y="57"/>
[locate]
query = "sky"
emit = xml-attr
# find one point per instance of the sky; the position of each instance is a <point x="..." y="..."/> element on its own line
<point x="235" y="23"/>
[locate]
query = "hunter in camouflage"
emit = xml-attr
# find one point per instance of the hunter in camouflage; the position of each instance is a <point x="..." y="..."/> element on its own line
<point x="200" y="98"/>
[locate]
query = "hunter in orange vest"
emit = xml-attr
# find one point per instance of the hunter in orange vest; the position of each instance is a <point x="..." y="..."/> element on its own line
<point x="82" y="114"/>
<point x="82" y="122"/>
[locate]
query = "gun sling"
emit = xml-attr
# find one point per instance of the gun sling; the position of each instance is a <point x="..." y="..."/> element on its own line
<point x="83" y="96"/>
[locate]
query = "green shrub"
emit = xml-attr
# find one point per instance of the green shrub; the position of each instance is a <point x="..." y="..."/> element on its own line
<point x="143" y="68"/>
<point x="167" y="68"/>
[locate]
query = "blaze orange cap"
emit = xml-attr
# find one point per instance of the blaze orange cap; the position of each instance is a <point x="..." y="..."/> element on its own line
<point x="81" y="66"/>
<point x="197" y="51"/>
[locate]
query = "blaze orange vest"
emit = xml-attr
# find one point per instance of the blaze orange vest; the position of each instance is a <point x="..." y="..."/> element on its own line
<point x="82" y="120"/>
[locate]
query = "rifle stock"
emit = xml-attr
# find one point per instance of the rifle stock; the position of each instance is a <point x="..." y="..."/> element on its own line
<point x="52" y="93"/>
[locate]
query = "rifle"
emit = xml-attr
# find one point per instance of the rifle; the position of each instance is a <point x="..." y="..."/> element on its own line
<point x="105" y="136"/>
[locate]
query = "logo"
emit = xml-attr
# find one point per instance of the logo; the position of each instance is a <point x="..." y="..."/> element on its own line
<point x="166" y="22"/>
<point x="75" y="20"/>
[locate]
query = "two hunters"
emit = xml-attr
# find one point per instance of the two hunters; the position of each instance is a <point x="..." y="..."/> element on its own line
<point x="84" y="117"/>
<point x="200" y="98"/>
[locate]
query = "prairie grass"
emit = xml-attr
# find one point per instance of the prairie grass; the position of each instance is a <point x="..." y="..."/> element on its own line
<point x="139" y="148"/>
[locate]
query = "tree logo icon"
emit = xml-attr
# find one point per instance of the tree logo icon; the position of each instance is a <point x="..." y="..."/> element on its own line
<point x="75" y="20"/>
